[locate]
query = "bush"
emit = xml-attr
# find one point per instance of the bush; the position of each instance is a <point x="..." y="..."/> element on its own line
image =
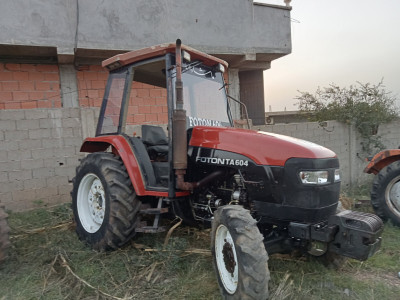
<point x="365" y="106"/>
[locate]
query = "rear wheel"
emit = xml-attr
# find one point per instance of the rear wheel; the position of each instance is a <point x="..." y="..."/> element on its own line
<point x="104" y="203"/>
<point x="385" y="193"/>
<point x="4" y="235"/>
<point x="239" y="255"/>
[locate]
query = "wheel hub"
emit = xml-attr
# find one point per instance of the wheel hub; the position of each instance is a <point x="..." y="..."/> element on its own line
<point x="229" y="258"/>
<point x="91" y="203"/>
<point x="226" y="259"/>
<point x="95" y="199"/>
<point x="393" y="195"/>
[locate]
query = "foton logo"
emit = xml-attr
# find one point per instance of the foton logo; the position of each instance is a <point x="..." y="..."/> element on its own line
<point x="222" y="161"/>
<point x="203" y="122"/>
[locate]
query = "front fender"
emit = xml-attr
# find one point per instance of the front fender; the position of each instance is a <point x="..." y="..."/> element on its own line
<point x="381" y="160"/>
<point x="122" y="148"/>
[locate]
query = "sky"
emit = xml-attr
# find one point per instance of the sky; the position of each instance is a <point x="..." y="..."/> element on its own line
<point x="337" y="41"/>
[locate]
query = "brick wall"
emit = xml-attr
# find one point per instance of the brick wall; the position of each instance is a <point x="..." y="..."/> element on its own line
<point x="147" y="104"/>
<point x="25" y="86"/>
<point x="91" y="84"/>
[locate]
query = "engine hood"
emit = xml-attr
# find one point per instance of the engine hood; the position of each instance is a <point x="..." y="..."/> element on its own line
<point x="263" y="148"/>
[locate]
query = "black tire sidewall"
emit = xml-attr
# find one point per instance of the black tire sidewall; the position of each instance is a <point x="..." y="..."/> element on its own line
<point x="235" y="227"/>
<point x="378" y="193"/>
<point x="96" y="237"/>
<point x="220" y="219"/>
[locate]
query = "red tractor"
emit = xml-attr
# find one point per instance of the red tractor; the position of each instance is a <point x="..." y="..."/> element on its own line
<point x="260" y="192"/>
<point x="385" y="192"/>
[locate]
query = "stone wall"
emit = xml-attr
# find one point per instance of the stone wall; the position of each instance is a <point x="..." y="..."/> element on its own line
<point x="39" y="151"/>
<point x="343" y="140"/>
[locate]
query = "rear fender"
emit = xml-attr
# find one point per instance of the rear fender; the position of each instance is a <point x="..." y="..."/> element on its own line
<point x="381" y="160"/>
<point x="121" y="147"/>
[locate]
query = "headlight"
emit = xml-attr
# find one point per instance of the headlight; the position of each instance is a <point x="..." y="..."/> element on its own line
<point x="314" y="177"/>
<point x="337" y="175"/>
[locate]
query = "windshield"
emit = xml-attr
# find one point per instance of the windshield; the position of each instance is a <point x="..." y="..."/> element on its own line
<point x="204" y="97"/>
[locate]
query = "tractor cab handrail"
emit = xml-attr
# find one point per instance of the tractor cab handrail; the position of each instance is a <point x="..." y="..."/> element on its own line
<point x="245" y="109"/>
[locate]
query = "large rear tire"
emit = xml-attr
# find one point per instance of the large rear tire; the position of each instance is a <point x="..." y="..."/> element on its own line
<point x="385" y="193"/>
<point x="104" y="203"/>
<point x="4" y="235"/>
<point x="239" y="255"/>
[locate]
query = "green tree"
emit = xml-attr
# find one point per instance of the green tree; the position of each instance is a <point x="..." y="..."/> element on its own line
<point x="365" y="106"/>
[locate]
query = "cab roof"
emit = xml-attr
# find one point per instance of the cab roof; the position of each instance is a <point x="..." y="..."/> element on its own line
<point x="159" y="50"/>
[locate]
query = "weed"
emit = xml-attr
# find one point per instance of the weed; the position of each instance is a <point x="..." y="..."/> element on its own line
<point x="359" y="190"/>
<point x="47" y="261"/>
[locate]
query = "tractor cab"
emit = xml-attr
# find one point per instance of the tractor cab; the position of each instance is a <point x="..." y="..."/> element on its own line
<point x="140" y="100"/>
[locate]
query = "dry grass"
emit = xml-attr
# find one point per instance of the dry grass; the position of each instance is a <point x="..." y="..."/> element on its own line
<point x="47" y="261"/>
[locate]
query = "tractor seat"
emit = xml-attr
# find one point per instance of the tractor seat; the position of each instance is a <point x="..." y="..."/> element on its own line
<point x="156" y="142"/>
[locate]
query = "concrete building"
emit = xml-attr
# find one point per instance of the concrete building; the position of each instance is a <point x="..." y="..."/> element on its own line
<point x="69" y="39"/>
<point x="51" y="82"/>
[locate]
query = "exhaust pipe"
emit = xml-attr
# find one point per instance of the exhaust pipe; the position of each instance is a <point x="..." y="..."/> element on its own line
<point x="179" y="137"/>
<point x="190" y="186"/>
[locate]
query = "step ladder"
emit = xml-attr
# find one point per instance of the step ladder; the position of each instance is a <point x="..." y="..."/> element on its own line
<point x="156" y="212"/>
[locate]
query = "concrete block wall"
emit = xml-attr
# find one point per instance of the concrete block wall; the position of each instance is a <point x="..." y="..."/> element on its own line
<point x="334" y="136"/>
<point x="344" y="141"/>
<point x="390" y="134"/>
<point x="39" y="151"/>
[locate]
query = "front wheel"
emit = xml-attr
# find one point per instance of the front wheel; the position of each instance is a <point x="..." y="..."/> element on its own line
<point x="385" y="193"/>
<point x="239" y="255"/>
<point x="104" y="203"/>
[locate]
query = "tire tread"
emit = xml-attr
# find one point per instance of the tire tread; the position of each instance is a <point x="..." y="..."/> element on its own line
<point x="379" y="185"/>
<point x="123" y="201"/>
<point x="252" y="256"/>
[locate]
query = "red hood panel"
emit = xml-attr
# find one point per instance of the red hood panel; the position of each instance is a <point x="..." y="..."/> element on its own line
<point x="262" y="147"/>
